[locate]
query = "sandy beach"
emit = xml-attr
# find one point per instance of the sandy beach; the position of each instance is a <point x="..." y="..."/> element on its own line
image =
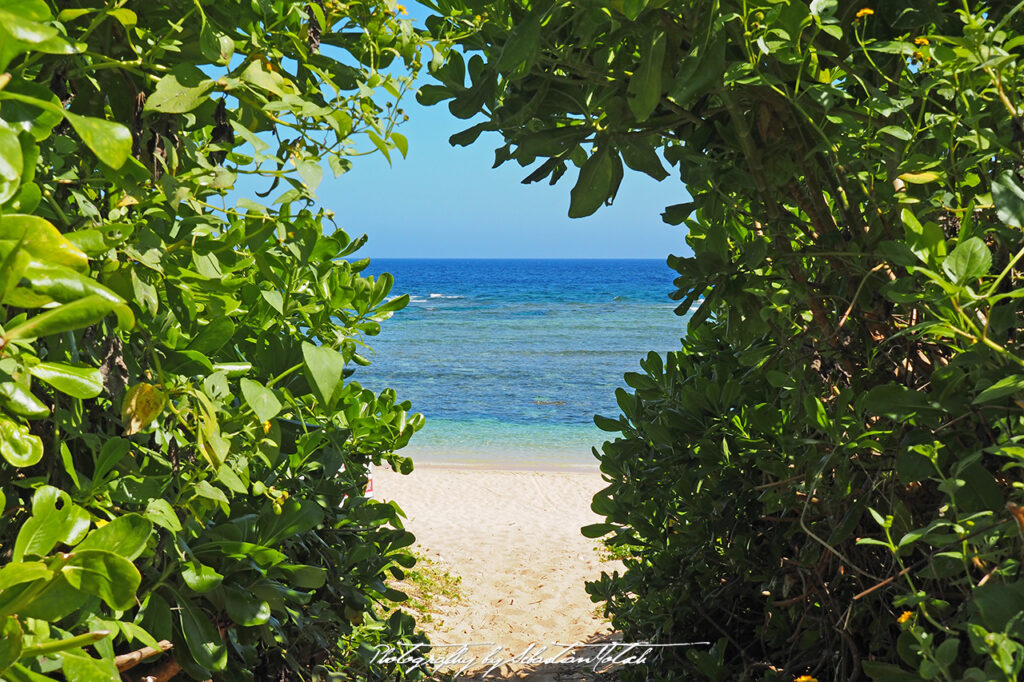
<point x="513" y="537"/>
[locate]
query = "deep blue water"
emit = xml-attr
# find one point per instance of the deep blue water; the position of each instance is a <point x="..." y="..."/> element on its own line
<point x="510" y="359"/>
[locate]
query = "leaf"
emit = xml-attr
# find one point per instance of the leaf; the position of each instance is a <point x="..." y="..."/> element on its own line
<point x="1002" y="388"/>
<point x="201" y="638"/>
<point x="1008" y="197"/>
<point x="110" y="142"/>
<point x="324" y="368"/>
<point x="642" y="157"/>
<point x="593" y="186"/>
<point x="23" y="572"/>
<point x="80" y="667"/>
<point x="921" y="178"/>
<point x="69" y="317"/>
<point x="104" y="574"/>
<point x="142" y="404"/>
<point x="18" y="400"/>
<point x="78" y="381"/>
<point x="10" y="642"/>
<point x="261" y="399"/>
<point x="161" y="512"/>
<point x="596" y="530"/>
<point x="927" y="241"/>
<point x="49" y="524"/>
<point x="200" y="578"/>
<point x="970" y="260"/>
<point x="126" y="536"/>
<point x="212" y="337"/>
<point x="180" y="91"/>
<point x="244" y="608"/>
<point x="296" y="517"/>
<point x="10" y="162"/>
<point x="522" y="43"/>
<point x="113" y="451"/>
<point x="19" y="447"/>
<point x="42" y="240"/>
<point x="644" y="90"/>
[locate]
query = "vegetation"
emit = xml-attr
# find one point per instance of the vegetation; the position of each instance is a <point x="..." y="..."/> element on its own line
<point x="183" y="458"/>
<point x="827" y="476"/>
<point x="426" y="586"/>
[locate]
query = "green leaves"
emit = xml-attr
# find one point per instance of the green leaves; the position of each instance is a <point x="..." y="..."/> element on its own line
<point x="110" y="142"/>
<point x="76" y="315"/>
<point x="1008" y="196"/>
<point x="110" y="577"/>
<point x="593" y="185"/>
<point x="17" y="446"/>
<point x="74" y="380"/>
<point x="644" y="90"/>
<point x="324" y="368"/>
<point x="180" y="91"/>
<point x="970" y="260"/>
<point x="261" y="399"/>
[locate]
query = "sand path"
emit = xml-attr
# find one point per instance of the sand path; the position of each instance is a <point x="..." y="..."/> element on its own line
<point x="513" y="537"/>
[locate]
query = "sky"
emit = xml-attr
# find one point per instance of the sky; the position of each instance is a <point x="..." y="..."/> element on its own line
<point x="447" y="202"/>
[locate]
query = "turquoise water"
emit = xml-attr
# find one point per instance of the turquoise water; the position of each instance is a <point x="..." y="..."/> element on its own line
<point x="509" y="360"/>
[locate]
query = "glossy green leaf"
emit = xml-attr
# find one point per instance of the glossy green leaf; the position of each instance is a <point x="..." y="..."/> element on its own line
<point x="200" y="578"/>
<point x="18" y="399"/>
<point x="10" y="163"/>
<point x="23" y="572"/>
<point x="201" y="638"/>
<point x="970" y="260"/>
<point x="261" y="399"/>
<point x="42" y="240"/>
<point x="80" y="667"/>
<point x="126" y="536"/>
<point x="19" y="447"/>
<point x="324" y="367"/>
<point x="104" y="574"/>
<point x="162" y="513"/>
<point x="69" y="317"/>
<point x="1008" y="196"/>
<point x="10" y="642"/>
<point x="78" y="381"/>
<point x="110" y="142"/>
<point x="244" y="608"/>
<point x="1004" y="387"/>
<point x="55" y="519"/>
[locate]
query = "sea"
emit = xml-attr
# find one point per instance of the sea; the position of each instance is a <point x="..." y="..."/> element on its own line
<point x="509" y="360"/>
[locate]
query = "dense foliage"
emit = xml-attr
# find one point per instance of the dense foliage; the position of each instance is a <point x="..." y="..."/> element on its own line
<point x="826" y="477"/>
<point x="183" y="458"/>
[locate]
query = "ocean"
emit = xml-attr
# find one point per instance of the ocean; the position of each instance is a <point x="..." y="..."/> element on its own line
<point x="509" y="360"/>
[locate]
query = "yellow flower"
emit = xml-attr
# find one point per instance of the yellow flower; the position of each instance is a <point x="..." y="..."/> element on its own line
<point x="866" y="12"/>
<point x="904" y="617"/>
<point x="921" y="41"/>
<point x="806" y="678"/>
<point x="402" y="10"/>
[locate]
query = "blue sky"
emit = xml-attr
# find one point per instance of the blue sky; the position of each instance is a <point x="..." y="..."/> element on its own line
<point x="447" y="202"/>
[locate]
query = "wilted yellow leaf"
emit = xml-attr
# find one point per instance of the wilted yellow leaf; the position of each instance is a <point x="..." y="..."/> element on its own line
<point x="142" y="404"/>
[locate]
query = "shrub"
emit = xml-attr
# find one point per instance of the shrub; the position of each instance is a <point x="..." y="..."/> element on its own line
<point x="825" y="479"/>
<point x="183" y="459"/>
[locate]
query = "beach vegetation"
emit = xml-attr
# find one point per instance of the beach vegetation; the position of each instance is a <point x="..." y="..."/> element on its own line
<point x="183" y="438"/>
<point x="825" y="480"/>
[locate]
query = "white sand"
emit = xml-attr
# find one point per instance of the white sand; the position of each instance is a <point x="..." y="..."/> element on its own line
<point x="514" y="538"/>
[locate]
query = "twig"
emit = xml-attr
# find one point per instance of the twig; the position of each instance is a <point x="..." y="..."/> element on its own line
<point x="132" y="659"/>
